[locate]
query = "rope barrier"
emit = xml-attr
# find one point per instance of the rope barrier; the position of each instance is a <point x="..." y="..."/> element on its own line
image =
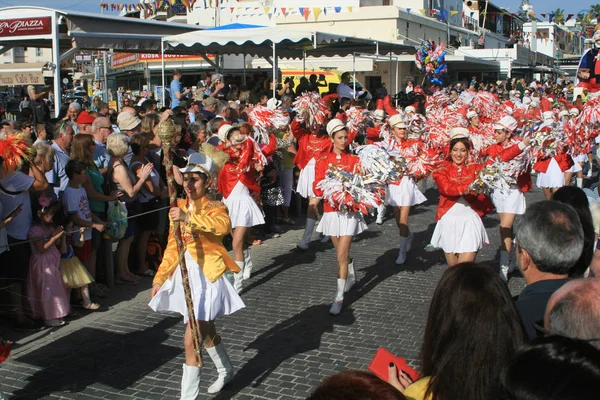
<point x="8" y="246"/>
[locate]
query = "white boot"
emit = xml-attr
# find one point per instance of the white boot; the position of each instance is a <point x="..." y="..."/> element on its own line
<point x="350" y="277"/>
<point x="249" y="265"/>
<point x="308" y="231"/>
<point x="325" y="239"/>
<point x="190" y="382"/>
<point x="238" y="277"/>
<point x="409" y="242"/>
<point x="402" y="251"/>
<point x="504" y="264"/>
<point x="579" y="182"/>
<point x="336" y="307"/>
<point x="219" y="356"/>
<point x="380" y="214"/>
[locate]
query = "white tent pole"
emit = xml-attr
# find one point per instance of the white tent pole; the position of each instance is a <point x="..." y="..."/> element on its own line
<point x="304" y="63"/>
<point x="397" y="82"/>
<point x="244" y="68"/>
<point x="162" y="62"/>
<point x="274" y="70"/>
<point x="56" y="62"/>
<point x="354" y="75"/>
<point x="105" y="93"/>
<point x="391" y="77"/>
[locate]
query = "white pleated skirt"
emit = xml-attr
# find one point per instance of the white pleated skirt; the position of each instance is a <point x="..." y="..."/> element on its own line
<point x="211" y="299"/>
<point x="552" y="178"/>
<point x="341" y="224"/>
<point x="580" y="158"/>
<point x="576" y="160"/>
<point x="405" y="194"/>
<point x="511" y="201"/>
<point x="460" y="230"/>
<point x="306" y="179"/>
<point x="243" y="210"/>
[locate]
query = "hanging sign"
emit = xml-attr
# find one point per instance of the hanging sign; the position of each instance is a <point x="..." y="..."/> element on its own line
<point x="26" y="26"/>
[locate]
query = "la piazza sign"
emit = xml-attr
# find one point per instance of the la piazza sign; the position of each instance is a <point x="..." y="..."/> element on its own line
<point x="26" y="26"/>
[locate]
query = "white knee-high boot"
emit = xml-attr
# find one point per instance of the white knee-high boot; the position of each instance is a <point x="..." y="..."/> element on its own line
<point x="190" y="382"/>
<point x="336" y="307"/>
<point x="380" y="214"/>
<point x="350" y="277"/>
<point x="579" y="182"/>
<point x="409" y="241"/>
<point x="219" y="356"/>
<point x="402" y="251"/>
<point x="238" y="277"/>
<point x="308" y="231"/>
<point x="249" y="265"/>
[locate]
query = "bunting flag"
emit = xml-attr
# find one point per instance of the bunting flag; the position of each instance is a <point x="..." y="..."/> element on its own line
<point x="408" y="10"/>
<point x="266" y="10"/>
<point x="453" y="12"/>
<point x="444" y="15"/>
<point x="432" y="11"/>
<point x="316" y="12"/>
<point x="423" y="11"/>
<point x="283" y="11"/>
<point x="551" y="17"/>
<point x="349" y="9"/>
<point x="306" y="13"/>
<point x="337" y="9"/>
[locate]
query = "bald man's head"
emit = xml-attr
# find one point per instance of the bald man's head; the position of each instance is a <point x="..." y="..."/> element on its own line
<point x="574" y="310"/>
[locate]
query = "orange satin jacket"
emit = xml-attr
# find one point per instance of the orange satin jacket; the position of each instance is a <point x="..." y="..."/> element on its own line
<point x="208" y="222"/>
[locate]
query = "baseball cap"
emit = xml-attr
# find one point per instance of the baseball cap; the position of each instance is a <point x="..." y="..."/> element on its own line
<point x="84" y="118"/>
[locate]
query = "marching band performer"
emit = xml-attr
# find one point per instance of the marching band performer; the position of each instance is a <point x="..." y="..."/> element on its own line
<point x="404" y="194"/>
<point x="311" y="146"/>
<point x="510" y="202"/>
<point x="340" y="226"/>
<point x="236" y="179"/>
<point x="459" y="230"/>
<point x="204" y="224"/>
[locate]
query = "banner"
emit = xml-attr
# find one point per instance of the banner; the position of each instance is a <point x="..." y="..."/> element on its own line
<point x="26" y="26"/>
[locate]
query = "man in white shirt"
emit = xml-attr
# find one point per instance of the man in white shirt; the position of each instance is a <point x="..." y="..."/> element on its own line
<point x="346" y="91"/>
<point x="101" y="128"/>
<point x="57" y="177"/>
<point x="409" y="87"/>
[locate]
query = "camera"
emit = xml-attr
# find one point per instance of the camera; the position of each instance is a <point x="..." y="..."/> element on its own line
<point x="321" y="77"/>
<point x="290" y="80"/>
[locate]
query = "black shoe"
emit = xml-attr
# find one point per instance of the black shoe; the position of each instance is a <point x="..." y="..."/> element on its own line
<point x="28" y="326"/>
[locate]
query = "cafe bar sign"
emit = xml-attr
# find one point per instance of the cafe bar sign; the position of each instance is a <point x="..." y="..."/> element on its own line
<point x="21" y="78"/>
<point x="26" y="26"/>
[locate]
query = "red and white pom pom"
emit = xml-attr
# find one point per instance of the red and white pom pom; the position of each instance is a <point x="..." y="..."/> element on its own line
<point x="357" y="119"/>
<point x="266" y="121"/>
<point x="421" y="159"/>
<point x="311" y="105"/>
<point x="590" y="114"/>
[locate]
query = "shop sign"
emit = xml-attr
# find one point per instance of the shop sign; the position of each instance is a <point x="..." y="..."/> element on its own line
<point x="26" y="26"/>
<point x="21" y="78"/>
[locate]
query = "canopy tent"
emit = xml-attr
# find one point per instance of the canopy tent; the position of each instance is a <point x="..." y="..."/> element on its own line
<point x="68" y="32"/>
<point x="274" y="42"/>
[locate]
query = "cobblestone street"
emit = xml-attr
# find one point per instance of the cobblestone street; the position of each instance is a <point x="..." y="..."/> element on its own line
<point x="282" y="344"/>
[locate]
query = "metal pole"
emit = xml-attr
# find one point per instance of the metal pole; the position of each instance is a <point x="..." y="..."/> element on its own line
<point x="56" y="62"/>
<point x="274" y="70"/>
<point x="105" y="92"/>
<point x="397" y="90"/>
<point x="390" y="67"/>
<point x="162" y="62"/>
<point x="244" y="69"/>
<point x="354" y="75"/>
<point x="303" y="63"/>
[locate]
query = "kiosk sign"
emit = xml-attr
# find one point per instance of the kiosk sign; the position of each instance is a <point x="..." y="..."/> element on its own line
<point x="26" y="26"/>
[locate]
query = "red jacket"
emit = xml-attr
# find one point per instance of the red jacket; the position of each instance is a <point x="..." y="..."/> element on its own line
<point x="524" y="180"/>
<point x="240" y="167"/>
<point x="309" y="145"/>
<point x="373" y="134"/>
<point x="564" y="162"/>
<point x="453" y="183"/>
<point x="346" y="161"/>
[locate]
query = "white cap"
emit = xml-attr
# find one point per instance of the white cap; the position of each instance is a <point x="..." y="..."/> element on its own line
<point x="459" y="133"/>
<point x="547" y="114"/>
<point x="563" y="113"/>
<point x="410" y="109"/>
<point x="574" y="112"/>
<point x="397" y="120"/>
<point x="335" y="125"/>
<point x="198" y="162"/>
<point x="471" y="114"/>
<point x="273" y="103"/>
<point x="507" y="122"/>
<point x="379" y="115"/>
<point x="223" y="133"/>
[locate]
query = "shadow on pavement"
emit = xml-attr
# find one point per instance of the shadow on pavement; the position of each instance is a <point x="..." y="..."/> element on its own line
<point x="79" y="360"/>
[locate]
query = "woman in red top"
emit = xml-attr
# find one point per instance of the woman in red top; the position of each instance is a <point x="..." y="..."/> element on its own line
<point x="509" y="202"/>
<point x="459" y="230"/>
<point x="236" y="179"/>
<point x="311" y="147"/>
<point x="340" y="226"/>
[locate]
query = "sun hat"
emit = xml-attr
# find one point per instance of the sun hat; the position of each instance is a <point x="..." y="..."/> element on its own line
<point x="127" y="121"/>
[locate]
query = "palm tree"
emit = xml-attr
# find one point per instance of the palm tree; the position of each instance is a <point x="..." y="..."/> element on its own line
<point x="559" y="16"/>
<point x="584" y="18"/>
<point x="595" y="10"/>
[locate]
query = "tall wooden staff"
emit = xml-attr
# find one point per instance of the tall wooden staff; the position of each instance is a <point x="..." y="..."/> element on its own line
<point x="166" y="133"/>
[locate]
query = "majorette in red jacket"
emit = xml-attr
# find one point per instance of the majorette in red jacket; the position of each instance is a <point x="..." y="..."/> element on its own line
<point x="524" y="180"/>
<point x="310" y="145"/>
<point x="345" y="161"/>
<point x="564" y="162"/>
<point x="239" y="167"/>
<point x="453" y="181"/>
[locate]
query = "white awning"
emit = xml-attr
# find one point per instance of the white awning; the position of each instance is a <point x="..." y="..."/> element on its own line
<point x="289" y="43"/>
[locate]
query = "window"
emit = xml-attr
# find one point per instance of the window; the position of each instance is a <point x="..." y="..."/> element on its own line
<point x="38" y="52"/>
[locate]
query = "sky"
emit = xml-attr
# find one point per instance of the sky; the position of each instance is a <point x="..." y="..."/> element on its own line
<point x="539" y="6"/>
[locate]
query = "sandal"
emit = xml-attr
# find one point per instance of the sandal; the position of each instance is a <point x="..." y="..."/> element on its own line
<point x="91" y="306"/>
<point x="147" y="272"/>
